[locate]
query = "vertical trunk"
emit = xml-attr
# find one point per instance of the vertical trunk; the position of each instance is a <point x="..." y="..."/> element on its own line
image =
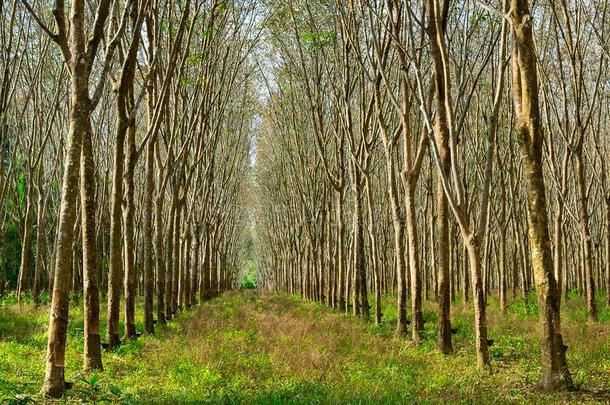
<point x="40" y="240"/>
<point x="416" y="303"/>
<point x="330" y="260"/>
<point x="148" y="240"/>
<point x="129" y="282"/>
<point x="608" y="251"/>
<point x="176" y="264"/>
<point x="502" y="275"/>
<point x="213" y="267"/>
<point x="555" y="373"/>
<point x="91" y="299"/>
<point x="558" y="263"/>
<point x="585" y="233"/>
<point x="444" y="299"/>
<point x="204" y="282"/>
<point x="438" y="16"/>
<point x="466" y="279"/>
<point x="478" y="294"/>
<point x="340" y="263"/>
<point x="399" y="249"/>
<point x="187" y="268"/>
<point x="181" y="271"/>
<point x="116" y="212"/>
<point x="360" y="288"/>
<point x="195" y="270"/>
<point x="159" y="263"/>
<point x="54" y="381"/>
<point x="26" y="245"/>
<point x="169" y="261"/>
<point x="374" y="253"/>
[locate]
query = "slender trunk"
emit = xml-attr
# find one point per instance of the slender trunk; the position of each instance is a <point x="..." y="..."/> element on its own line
<point x="478" y="294"/>
<point x="169" y="261"/>
<point x="585" y="234"/>
<point x="608" y="251"/>
<point x="159" y="263"/>
<point x="502" y="275"/>
<point x="444" y="298"/>
<point x="340" y="263"/>
<point x="177" y="259"/>
<point x="441" y="132"/>
<point x="416" y="303"/>
<point x="187" y="268"/>
<point x="399" y="249"/>
<point x="92" y="351"/>
<point x="374" y="253"/>
<point x="116" y="213"/>
<point x="26" y="245"/>
<point x="148" y="240"/>
<point x="54" y="380"/>
<point x="195" y="263"/>
<point x="360" y="287"/>
<point x="40" y="240"/>
<point x="129" y="282"/>
<point x="555" y="373"/>
<point x="558" y="263"/>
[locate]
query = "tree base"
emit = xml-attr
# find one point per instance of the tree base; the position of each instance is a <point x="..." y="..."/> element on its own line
<point x="54" y="383"/>
<point x="93" y="353"/>
<point x="555" y="382"/>
<point x="114" y="341"/>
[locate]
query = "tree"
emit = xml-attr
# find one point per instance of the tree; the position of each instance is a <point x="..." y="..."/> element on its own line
<point x="555" y="373"/>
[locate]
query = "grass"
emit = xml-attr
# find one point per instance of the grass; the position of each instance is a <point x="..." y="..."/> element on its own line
<point x="261" y="348"/>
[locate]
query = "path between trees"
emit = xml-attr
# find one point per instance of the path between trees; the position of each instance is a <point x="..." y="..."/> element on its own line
<point x="256" y="347"/>
<point x="268" y="348"/>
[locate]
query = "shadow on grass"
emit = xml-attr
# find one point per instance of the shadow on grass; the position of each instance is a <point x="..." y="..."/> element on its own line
<point x="21" y="324"/>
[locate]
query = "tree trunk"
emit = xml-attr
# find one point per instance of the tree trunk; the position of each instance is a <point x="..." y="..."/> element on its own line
<point x="91" y="299"/>
<point x="40" y="239"/>
<point x="438" y="16"/>
<point x="340" y="263"/>
<point x="169" y="261"/>
<point x="159" y="255"/>
<point x="26" y="245"/>
<point x="416" y="303"/>
<point x="177" y="259"/>
<point x="54" y="381"/>
<point x="608" y="251"/>
<point x="585" y="235"/>
<point x="148" y="239"/>
<point x="129" y="282"/>
<point x="478" y="294"/>
<point x="116" y="213"/>
<point x="555" y="373"/>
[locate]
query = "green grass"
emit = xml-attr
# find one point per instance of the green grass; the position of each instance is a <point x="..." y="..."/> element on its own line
<point x="251" y="347"/>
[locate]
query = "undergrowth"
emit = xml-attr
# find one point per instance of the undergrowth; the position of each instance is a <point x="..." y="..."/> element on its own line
<point x="252" y="347"/>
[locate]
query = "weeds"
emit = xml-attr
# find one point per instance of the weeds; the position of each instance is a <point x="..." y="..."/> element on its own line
<point x="274" y="348"/>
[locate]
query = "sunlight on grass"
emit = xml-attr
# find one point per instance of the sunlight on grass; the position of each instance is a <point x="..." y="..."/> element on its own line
<point x="274" y="348"/>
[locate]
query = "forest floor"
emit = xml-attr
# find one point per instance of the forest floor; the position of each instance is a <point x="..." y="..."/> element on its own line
<point x="249" y="347"/>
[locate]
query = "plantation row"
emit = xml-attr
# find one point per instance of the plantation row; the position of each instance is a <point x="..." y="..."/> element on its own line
<point x="125" y="129"/>
<point x="439" y="150"/>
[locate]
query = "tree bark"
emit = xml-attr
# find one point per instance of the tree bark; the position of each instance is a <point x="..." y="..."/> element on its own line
<point x="585" y="235"/>
<point x="148" y="239"/>
<point x="91" y="300"/>
<point x="129" y="282"/>
<point x="555" y="373"/>
<point x="26" y="245"/>
<point x="54" y="381"/>
<point x="40" y="240"/>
